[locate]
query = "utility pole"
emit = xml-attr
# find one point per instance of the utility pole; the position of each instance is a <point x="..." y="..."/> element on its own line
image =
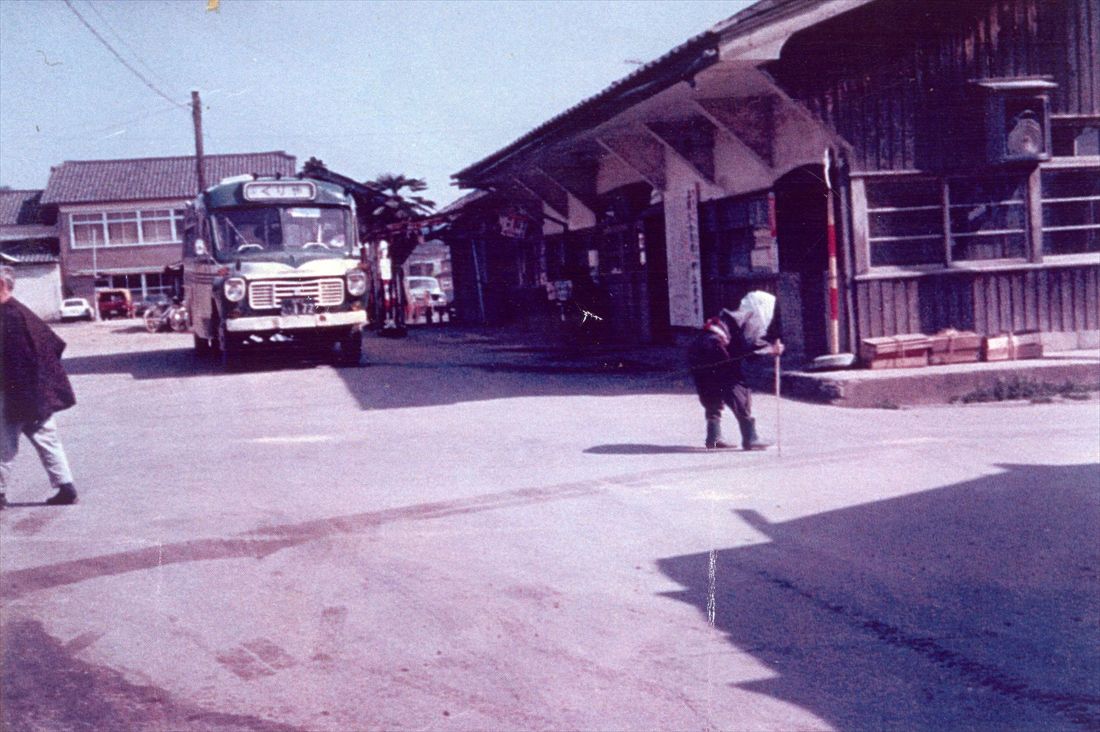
<point x="196" y="117"/>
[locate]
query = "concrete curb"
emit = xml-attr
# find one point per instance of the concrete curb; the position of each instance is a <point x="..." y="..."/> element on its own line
<point x="937" y="384"/>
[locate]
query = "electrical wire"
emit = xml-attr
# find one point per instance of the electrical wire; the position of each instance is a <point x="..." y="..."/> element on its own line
<point x="122" y="40"/>
<point x="121" y="60"/>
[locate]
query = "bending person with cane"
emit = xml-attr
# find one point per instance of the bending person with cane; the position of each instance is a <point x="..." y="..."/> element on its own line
<point x="715" y="358"/>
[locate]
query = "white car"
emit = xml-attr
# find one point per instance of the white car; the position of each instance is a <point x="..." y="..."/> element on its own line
<point x="76" y="308"/>
<point x="425" y="290"/>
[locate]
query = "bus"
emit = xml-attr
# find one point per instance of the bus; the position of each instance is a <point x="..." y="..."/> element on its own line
<point x="272" y="262"/>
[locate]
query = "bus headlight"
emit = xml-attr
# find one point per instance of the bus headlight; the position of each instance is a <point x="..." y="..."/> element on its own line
<point x="235" y="289"/>
<point x="357" y="282"/>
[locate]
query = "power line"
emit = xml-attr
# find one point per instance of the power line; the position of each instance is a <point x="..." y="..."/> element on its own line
<point x="122" y="40"/>
<point x="121" y="60"/>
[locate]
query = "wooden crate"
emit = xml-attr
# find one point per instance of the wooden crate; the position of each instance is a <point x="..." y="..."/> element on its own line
<point x="1012" y="347"/>
<point x="909" y="350"/>
<point x="952" y="346"/>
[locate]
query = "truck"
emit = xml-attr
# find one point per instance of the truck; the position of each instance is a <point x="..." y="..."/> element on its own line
<point x="274" y="262"/>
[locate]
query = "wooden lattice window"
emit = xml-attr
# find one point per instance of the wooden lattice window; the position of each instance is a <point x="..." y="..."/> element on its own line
<point x="1071" y="211"/>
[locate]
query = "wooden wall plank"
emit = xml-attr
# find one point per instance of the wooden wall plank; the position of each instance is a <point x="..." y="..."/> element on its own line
<point x="1092" y="300"/>
<point x="1031" y="301"/>
<point x="1019" y="307"/>
<point x="977" y="293"/>
<point x="1042" y="300"/>
<point x="1066" y="289"/>
<point x="1057" y="301"/>
<point x="912" y="306"/>
<point x="889" y="322"/>
<point x="994" y="305"/>
<point x="862" y="311"/>
<point x="1080" y="300"/>
<point x="875" y="301"/>
<point x="1004" y="301"/>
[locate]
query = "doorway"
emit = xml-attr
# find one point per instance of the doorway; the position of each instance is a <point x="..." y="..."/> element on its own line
<point x="801" y="220"/>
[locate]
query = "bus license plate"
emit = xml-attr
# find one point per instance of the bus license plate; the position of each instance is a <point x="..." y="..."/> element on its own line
<point x="298" y="306"/>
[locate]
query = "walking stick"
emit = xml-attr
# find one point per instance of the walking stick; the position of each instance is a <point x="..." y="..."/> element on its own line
<point x="778" y="442"/>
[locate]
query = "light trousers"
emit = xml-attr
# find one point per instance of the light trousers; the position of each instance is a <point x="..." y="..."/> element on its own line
<point x="44" y="437"/>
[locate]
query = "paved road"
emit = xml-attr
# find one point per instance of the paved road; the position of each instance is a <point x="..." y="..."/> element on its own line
<point x="465" y="536"/>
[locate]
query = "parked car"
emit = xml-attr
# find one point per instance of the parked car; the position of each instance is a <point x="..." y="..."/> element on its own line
<point x="424" y="297"/>
<point x="114" y="303"/>
<point x="76" y="308"/>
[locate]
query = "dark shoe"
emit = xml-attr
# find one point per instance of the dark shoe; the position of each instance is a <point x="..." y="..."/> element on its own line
<point x="749" y="439"/>
<point x="714" y="435"/>
<point x="65" y="496"/>
<point x="719" y="445"/>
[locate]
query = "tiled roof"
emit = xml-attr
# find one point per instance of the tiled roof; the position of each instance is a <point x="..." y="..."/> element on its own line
<point x="90" y="181"/>
<point x="462" y="202"/>
<point x="20" y="208"/>
<point x="30" y="251"/>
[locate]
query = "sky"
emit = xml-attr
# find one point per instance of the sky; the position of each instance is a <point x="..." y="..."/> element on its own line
<point x="416" y="87"/>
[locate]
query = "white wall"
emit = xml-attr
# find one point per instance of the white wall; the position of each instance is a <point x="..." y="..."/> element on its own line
<point x="38" y="286"/>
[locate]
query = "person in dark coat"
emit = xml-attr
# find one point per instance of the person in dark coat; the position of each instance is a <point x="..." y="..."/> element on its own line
<point x="716" y="356"/>
<point x="35" y="387"/>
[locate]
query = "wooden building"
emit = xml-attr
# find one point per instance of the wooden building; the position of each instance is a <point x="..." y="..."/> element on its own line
<point x="955" y="145"/>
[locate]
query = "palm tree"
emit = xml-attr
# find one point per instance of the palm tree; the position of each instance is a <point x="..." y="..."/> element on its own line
<point x="403" y="207"/>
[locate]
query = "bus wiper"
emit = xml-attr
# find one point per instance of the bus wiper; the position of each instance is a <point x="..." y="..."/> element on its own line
<point x="238" y="231"/>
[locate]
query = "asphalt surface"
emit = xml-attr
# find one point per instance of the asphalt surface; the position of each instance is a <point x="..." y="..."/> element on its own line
<point x="469" y="534"/>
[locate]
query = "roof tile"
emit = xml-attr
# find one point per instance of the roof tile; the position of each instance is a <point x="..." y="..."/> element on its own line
<point x="20" y="208"/>
<point x="90" y="181"/>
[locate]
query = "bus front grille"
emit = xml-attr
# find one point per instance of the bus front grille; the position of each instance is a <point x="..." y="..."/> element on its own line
<point x="267" y="294"/>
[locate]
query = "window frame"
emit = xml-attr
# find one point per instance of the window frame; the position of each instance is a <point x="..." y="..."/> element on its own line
<point x="1034" y="253"/>
<point x="136" y="217"/>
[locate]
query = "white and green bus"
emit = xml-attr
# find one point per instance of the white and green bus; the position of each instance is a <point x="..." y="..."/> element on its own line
<point x="274" y="262"/>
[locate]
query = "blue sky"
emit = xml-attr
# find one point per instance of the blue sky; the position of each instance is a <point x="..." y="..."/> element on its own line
<point x="420" y="88"/>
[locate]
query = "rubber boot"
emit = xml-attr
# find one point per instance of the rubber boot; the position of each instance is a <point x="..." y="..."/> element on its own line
<point x="66" y="495"/>
<point x="714" y="435"/>
<point x="749" y="439"/>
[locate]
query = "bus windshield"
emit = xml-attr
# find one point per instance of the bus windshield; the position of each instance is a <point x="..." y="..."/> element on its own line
<point x="262" y="232"/>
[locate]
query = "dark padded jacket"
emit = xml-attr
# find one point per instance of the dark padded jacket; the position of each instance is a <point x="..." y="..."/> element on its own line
<point x="35" y="384"/>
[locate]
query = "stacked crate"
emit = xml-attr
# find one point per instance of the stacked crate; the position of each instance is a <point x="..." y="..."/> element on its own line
<point x="952" y="346"/>
<point x="1012" y="346"/>
<point x="896" y="352"/>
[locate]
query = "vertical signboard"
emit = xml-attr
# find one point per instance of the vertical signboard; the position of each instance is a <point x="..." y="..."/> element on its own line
<point x="685" y="282"/>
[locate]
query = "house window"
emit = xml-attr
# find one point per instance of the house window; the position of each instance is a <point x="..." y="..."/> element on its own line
<point x="905" y="222"/>
<point x="88" y="230"/>
<point x="986" y="219"/>
<point x="122" y="229"/>
<point x="1071" y="211"/>
<point x="126" y="228"/>
<point x="160" y="226"/>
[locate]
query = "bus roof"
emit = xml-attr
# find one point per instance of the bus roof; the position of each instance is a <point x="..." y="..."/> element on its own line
<point x="232" y="192"/>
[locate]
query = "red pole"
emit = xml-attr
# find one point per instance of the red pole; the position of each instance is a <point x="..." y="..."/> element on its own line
<point x="833" y="280"/>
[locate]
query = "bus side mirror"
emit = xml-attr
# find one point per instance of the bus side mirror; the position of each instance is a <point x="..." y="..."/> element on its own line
<point x="200" y="248"/>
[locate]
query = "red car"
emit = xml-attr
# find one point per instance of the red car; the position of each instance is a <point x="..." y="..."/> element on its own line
<point x="113" y="304"/>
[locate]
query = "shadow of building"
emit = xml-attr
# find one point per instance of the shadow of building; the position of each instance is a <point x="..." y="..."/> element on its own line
<point x="973" y="606"/>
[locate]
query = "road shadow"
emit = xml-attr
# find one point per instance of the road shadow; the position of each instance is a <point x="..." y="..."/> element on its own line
<point x="975" y="606"/>
<point x="46" y="686"/>
<point x="178" y="363"/>
<point x="427" y="369"/>
<point x="642" y="449"/>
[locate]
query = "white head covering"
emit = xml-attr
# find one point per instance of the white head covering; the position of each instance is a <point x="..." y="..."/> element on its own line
<point x="754" y="316"/>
